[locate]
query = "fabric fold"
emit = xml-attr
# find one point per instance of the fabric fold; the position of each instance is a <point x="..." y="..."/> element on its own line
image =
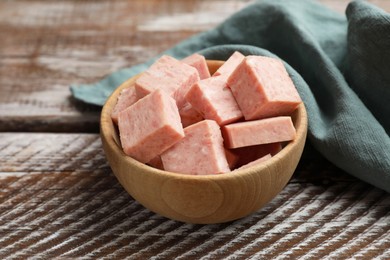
<point x="368" y="58"/>
<point x="323" y="52"/>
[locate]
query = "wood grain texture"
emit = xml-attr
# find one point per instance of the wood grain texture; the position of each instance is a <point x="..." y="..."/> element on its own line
<point x="48" y="45"/>
<point x="52" y="207"/>
<point x="58" y="196"/>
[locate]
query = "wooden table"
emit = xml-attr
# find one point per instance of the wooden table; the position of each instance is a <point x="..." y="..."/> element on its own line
<point x="58" y="196"/>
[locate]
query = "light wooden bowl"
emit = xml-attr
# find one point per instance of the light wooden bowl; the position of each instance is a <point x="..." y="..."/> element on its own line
<point x="208" y="198"/>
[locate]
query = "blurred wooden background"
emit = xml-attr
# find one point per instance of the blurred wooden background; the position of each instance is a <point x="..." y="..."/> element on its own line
<point x="58" y="197"/>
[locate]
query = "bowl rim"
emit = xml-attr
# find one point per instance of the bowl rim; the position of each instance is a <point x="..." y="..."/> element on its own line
<point x="108" y="132"/>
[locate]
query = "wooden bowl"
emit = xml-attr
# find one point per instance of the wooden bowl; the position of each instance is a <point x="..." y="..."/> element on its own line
<point x="207" y="198"/>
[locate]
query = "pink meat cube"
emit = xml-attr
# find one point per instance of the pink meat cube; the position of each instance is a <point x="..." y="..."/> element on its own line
<point x="231" y="158"/>
<point x="150" y="126"/>
<point x="214" y="100"/>
<point x="170" y="75"/>
<point x="189" y="115"/>
<point x="230" y="65"/>
<point x="262" y="131"/>
<point x="199" y="63"/>
<point x="200" y="152"/>
<point x="127" y="97"/>
<point x="263" y="88"/>
<point x="260" y="160"/>
<point x="252" y="153"/>
<point x="156" y="163"/>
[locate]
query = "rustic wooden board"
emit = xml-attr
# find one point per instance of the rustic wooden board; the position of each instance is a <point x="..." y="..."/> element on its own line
<point x="58" y="198"/>
<point x="47" y="45"/>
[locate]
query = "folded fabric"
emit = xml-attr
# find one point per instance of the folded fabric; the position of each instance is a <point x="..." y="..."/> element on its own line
<point x="339" y="64"/>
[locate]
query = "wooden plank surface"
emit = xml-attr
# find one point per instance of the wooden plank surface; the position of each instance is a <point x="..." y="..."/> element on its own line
<point x="48" y="45"/>
<point x="58" y="198"/>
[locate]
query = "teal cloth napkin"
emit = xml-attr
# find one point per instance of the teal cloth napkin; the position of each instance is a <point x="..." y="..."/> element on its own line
<point x="340" y="65"/>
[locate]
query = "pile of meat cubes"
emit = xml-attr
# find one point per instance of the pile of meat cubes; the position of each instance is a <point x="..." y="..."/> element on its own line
<point x="179" y="118"/>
